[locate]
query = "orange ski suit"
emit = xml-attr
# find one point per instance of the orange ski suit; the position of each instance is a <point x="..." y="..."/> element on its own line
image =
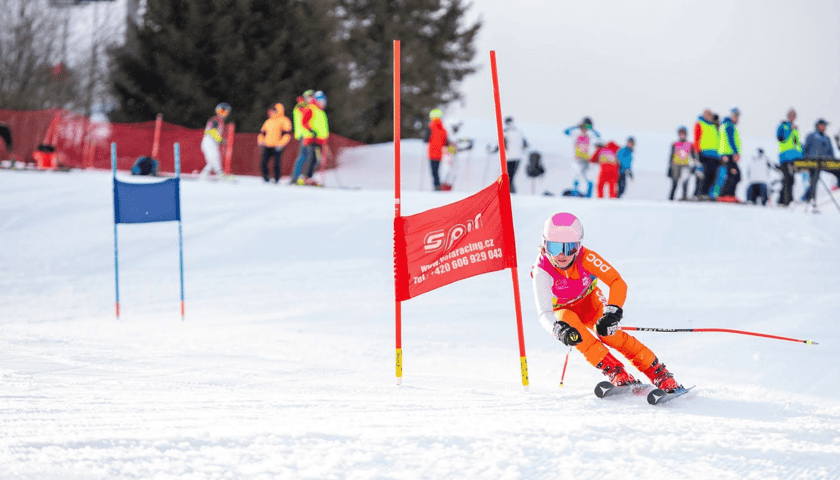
<point x="575" y="298"/>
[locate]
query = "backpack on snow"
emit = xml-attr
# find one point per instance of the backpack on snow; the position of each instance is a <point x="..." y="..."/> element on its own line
<point x="535" y="167"/>
<point x="145" y="166"/>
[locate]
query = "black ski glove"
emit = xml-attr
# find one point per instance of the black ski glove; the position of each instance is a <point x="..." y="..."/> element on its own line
<point x="566" y="334"/>
<point x="608" y="324"/>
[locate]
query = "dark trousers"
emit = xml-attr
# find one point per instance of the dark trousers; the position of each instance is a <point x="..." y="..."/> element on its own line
<point x="622" y="183"/>
<point x="813" y="177"/>
<point x="435" y="165"/>
<point x="512" y="167"/>
<point x="733" y="176"/>
<point x="677" y="172"/>
<point x="756" y="192"/>
<point x="786" y="194"/>
<point x="312" y="159"/>
<point x="267" y="154"/>
<point x="710" y="168"/>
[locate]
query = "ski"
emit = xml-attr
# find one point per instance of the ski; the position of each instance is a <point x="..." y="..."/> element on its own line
<point x="607" y="389"/>
<point x="658" y="397"/>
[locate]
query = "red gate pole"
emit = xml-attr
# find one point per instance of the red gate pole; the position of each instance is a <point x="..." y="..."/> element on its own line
<point x="156" y="141"/>
<point x="397" y="211"/>
<point x="523" y="361"/>
<point x="231" y="136"/>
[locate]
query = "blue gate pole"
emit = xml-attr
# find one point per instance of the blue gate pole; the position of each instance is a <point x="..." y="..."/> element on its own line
<point x="180" y="235"/>
<point x="116" y="251"/>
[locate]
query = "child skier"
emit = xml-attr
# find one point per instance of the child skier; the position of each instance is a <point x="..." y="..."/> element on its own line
<point x="607" y="157"/>
<point x="680" y="162"/>
<point x="572" y="308"/>
<point x="582" y="157"/>
<point x="212" y="142"/>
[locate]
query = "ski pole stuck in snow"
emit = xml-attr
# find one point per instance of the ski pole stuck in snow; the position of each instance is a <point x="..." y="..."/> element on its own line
<point x="563" y="375"/>
<point x="721" y="330"/>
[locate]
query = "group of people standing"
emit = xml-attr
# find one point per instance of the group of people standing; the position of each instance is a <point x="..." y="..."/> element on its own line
<point x="714" y="155"/>
<point x="615" y="162"/>
<point x="309" y="126"/>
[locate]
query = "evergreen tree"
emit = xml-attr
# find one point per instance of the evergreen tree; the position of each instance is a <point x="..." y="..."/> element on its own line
<point x="192" y="54"/>
<point x="436" y="53"/>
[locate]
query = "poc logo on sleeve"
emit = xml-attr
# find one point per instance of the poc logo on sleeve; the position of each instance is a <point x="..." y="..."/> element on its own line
<point x="598" y="263"/>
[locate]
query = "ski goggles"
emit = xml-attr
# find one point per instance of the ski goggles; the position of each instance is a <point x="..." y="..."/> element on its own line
<point x="566" y="248"/>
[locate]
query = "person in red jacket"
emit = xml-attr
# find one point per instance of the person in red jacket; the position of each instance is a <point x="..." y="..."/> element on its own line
<point x="606" y="157"/>
<point x="437" y="139"/>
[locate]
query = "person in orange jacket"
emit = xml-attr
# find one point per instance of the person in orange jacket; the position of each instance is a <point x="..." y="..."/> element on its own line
<point x="275" y="134"/>
<point x="437" y="139"/>
<point x="573" y="309"/>
<point x="606" y="156"/>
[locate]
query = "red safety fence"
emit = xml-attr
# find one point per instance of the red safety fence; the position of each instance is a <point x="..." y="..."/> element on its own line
<point x="82" y="143"/>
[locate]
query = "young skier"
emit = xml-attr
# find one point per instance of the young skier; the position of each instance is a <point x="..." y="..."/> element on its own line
<point x="212" y="142"/>
<point x="573" y="309"/>
<point x="679" y="165"/>
<point x="625" y="165"/>
<point x="582" y="156"/>
<point x="606" y="156"/>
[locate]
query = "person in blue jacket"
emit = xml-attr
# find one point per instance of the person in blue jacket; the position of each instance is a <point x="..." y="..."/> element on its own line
<point x="625" y="165"/>
<point x="817" y="147"/>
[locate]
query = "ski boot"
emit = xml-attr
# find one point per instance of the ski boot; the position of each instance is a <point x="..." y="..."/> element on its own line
<point x="661" y="377"/>
<point x="615" y="371"/>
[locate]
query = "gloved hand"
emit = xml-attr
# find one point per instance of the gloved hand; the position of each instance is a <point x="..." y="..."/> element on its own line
<point x="566" y="333"/>
<point x="608" y="324"/>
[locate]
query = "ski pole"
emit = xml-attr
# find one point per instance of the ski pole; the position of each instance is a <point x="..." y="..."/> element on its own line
<point x="722" y="330"/>
<point x="563" y="375"/>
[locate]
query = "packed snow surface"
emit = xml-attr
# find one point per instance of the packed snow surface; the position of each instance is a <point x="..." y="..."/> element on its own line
<point x="284" y="365"/>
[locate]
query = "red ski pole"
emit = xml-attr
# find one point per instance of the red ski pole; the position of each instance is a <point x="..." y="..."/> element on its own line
<point x="721" y="330"/>
<point x="563" y="375"/>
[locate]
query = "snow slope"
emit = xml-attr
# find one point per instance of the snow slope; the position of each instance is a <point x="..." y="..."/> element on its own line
<point x="284" y="367"/>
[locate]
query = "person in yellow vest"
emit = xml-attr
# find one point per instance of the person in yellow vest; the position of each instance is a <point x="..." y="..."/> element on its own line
<point x="213" y="140"/>
<point x="729" y="149"/>
<point x="790" y="149"/>
<point x="275" y="134"/>
<point x="316" y="131"/>
<point x="297" y="115"/>
<point x="706" y="142"/>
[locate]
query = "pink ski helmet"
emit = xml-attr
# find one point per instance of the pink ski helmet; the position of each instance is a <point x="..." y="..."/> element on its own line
<point x="563" y="227"/>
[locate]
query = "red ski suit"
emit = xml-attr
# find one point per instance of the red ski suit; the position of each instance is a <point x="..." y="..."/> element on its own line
<point x="606" y="156"/>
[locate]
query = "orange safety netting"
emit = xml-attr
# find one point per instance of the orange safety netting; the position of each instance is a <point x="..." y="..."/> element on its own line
<point x="82" y="143"/>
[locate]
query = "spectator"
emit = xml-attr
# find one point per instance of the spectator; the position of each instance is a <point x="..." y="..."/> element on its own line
<point x="790" y="149"/>
<point x="729" y="150"/>
<point x="758" y="174"/>
<point x="297" y="116"/>
<point x="680" y="162"/>
<point x="516" y="146"/>
<point x="275" y="134"/>
<point x="582" y="156"/>
<point x="706" y="142"/>
<point x="625" y="165"/>
<point x="316" y="132"/>
<point x="437" y="139"/>
<point x="212" y="142"/>
<point x="606" y="157"/>
<point x="817" y="147"/>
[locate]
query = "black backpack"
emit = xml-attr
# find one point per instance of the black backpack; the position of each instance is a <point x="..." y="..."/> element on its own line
<point x="535" y="167"/>
<point x="145" y="166"/>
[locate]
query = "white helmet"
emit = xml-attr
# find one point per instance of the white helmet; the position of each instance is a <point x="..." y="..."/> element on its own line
<point x="563" y="227"/>
<point x="562" y="234"/>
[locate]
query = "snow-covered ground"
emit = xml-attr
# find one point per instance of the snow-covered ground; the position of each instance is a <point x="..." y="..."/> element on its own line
<point x="284" y="367"/>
